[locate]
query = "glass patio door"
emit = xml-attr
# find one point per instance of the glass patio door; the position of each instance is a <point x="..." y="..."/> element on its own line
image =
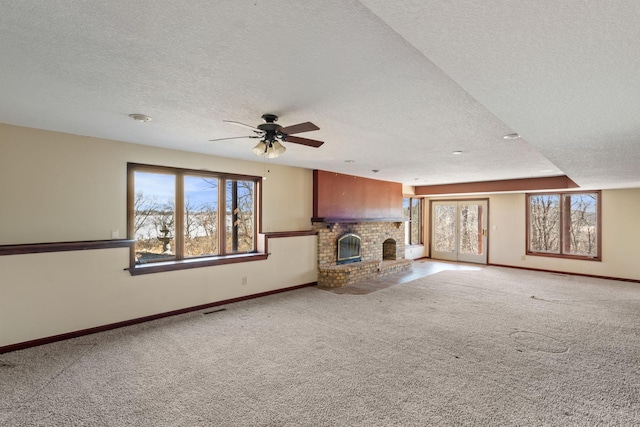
<point x="459" y="230"/>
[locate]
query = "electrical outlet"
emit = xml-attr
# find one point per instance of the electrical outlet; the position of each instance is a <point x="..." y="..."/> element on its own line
<point x="522" y="257"/>
<point x="115" y="234"/>
<point x="244" y="280"/>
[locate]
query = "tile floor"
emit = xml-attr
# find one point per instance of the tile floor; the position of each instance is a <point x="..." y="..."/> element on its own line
<point x="421" y="268"/>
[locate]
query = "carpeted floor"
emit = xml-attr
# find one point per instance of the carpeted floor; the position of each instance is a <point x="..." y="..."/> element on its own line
<point x="491" y="347"/>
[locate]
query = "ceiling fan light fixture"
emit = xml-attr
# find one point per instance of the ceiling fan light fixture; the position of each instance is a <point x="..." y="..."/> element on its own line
<point x="270" y="153"/>
<point x="279" y="148"/>
<point x="259" y="149"/>
<point x="274" y="149"/>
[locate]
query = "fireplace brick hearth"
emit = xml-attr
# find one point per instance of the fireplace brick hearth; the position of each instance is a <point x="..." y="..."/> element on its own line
<point x="376" y="239"/>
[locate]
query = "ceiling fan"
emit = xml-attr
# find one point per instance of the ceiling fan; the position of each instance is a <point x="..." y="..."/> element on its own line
<point x="271" y="135"/>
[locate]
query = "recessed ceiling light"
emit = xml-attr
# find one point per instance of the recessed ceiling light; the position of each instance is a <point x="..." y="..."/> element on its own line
<point x="375" y="170"/>
<point x="511" y="136"/>
<point x="349" y="161"/>
<point x="457" y="152"/>
<point x="140" y="118"/>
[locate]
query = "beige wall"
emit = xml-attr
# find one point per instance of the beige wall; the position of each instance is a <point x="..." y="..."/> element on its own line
<point x="620" y="236"/>
<point x="59" y="187"/>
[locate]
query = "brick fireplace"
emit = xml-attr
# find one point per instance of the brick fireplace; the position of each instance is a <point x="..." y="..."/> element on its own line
<point x="381" y="251"/>
<point x="367" y="208"/>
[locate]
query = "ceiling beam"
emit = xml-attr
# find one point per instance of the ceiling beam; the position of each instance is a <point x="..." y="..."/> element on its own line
<point x="524" y="184"/>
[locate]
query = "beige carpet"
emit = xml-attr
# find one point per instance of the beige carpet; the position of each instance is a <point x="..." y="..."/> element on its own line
<point x="458" y="348"/>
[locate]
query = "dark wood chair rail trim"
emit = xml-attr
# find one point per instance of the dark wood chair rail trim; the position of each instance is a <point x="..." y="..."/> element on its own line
<point x="354" y="220"/>
<point x="35" y="248"/>
<point x="276" y="234"/>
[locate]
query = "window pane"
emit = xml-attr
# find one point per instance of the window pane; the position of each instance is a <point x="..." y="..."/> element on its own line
<point x="444" y="234"/>
<point x="470" y="229"/>
<point x="200" y="216"/>
<point x="154" y="206"/>
<point x="415" y="222"/>
<point x="239" y="220"/>
<point x="544" y="219"/>
<point x="406" y="208"/>
<point x="582" y="224"/>
<point x="406" y="213"/>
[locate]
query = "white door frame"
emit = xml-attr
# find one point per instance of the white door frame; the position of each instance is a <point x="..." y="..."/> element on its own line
<point x="451" y="250"/>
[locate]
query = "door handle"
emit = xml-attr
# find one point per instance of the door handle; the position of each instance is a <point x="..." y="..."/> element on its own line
<point x="484" y="232"/>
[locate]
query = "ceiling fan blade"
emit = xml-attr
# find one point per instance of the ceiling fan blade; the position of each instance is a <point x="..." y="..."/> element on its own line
<point x="299" y="128"/>
<point x="247" y="126"/>
<point x="234" y="137"/>
<point x="304" y="141"/>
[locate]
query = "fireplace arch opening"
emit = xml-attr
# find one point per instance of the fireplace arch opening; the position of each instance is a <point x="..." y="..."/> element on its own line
<point x="348" y="248"/>
<point x="389" y="249"/>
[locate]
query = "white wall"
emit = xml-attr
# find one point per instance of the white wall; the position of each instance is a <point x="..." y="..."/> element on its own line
<point x="416" y="251"/>
<point x="58" y="187"/>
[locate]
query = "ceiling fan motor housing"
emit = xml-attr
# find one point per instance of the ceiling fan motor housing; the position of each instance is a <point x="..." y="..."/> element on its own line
<point x="270" y="128"/>
<point x="269" y="118"/>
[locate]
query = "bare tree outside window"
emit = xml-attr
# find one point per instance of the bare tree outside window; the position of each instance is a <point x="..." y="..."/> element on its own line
<point x="470" y="233"/>
<point x="200" y="232"/>
<point x="445" y="231"/>
<point x="544" y="223"/>
<point x="145" y="206"/>
<point x="565" y="224"/>
<point x="412" y="211"/>
<point x="240" y="207"/>
<point x="583" y="224"/>
<point x="153" y="217"/>
<point x="211" y="207"/>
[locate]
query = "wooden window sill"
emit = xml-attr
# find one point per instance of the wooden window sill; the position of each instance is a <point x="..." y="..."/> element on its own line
<point x="159" y="267"/>
<point x="564" y="256"/>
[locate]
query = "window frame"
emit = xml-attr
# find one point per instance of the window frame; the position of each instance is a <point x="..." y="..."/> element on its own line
<point x="563" y="228"/>
<point x="409" y="223"/>
<point x="181" y="262"/>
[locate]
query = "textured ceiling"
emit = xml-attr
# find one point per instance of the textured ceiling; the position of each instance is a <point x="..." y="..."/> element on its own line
<point x="394" y="86"/>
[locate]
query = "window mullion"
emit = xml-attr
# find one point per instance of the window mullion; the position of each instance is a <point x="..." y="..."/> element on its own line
<point x="222" y="216"/>
<point x="411" y="220"/>
<point x="565" y="224"/>
<point x="234" y="216"/>
<point x="179" y="216"/>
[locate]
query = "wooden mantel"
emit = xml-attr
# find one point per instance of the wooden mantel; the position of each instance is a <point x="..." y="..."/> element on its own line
<point x="356" y="220"/>
<point x="347" y="198"/>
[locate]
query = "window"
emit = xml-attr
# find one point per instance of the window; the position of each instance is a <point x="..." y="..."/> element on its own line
<point x="564" y="225"/>
<point x="177" y="215"/>
<point x="412" y="211"/>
